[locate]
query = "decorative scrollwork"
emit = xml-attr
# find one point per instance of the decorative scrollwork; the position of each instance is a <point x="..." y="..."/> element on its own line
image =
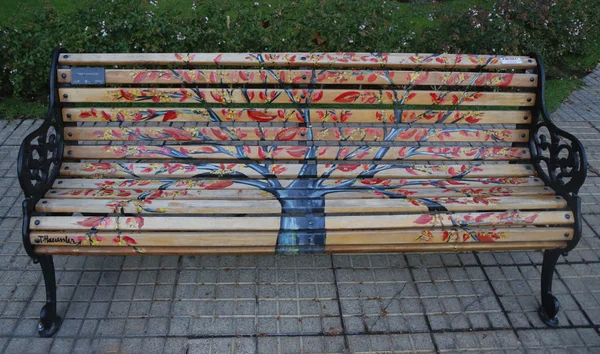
<point x="39" y="159"/>
<point x="558" y="156"/>
<point x="41" y="151"/>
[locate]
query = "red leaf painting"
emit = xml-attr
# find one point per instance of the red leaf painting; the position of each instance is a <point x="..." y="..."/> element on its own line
<point x="261" y="116"/>
<point x="140" y="77"/>
<point x="347" y="97"/>
<point x="506" y="79"/>
<point x="412" y="171"/>
<point x="219" y="134"/>
<point x="297" y="151"/>
<point x="178" y="134"/>
<point x="137" y="221"/>
<point x="219" y="185"/>
<point x="287" y="134"/>
<point x="106" y="115"/>
<point x="127" y="96"/>
<point x="472" y="120"/>
<point x="216" y="97"/>
<point x="424" y="219"/>
<point x="348" y="167"/>
<point x="316" y="96"/>
<point x="482" y="217"/>
<point x="170" y="115"/>
<point x="531" y="219"/>
<point x="373" y="181"/>
<point x="129" y="240"/>
<point x="91" y="222"/>
<point x="186" y="77"/>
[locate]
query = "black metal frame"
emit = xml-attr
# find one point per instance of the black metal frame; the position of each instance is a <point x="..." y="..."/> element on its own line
<point x="40" y="157"/>
<point x="560" y="161"/>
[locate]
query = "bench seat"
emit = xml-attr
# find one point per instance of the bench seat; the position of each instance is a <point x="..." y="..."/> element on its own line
<point x="215" y="216"/>
<point x="258" y="153"/>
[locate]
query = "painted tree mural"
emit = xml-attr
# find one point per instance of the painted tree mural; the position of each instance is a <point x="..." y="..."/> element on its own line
<point x="303" y="199"/>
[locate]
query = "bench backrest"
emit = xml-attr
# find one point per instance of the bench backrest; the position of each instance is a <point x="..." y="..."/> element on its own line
<point x="345" y="109"/>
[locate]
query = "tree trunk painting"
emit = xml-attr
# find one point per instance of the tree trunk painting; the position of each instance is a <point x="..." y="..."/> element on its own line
<point x="302" y="222"/>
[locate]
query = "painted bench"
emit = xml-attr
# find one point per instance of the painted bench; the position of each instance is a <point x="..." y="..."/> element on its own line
<point x="260" y="153"/>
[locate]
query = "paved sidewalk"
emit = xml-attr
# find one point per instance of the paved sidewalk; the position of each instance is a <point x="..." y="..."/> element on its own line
<point x="314" y="303"/>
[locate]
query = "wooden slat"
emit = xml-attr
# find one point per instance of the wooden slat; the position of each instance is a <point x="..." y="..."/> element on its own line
<point x="165" y="251"/>
<point x="442" y="219"/>
<point x="321" y="77"/>
<point x="186" y="170"/>
<point x="378" y="60"/>
<point x="266" y="238"/>
<point x="270" y="223"/>
<point x="433" y="171"/>
<point x="310" y="96"/>
<point x="219" y="134"/>
<point x="159" y="206"/>
<point x="201" y="183"/>
<point x="447" y="235"/>
<point x="442" y="192"/>
<point x="141" y="239"/>
<point x="332" y="115"/>
<point x="232" y="206"/>
<point x="257" y="194"/>
<point x="207" y="251"/>
<point x="452" y="247"/>
<point x="347" y="153"/>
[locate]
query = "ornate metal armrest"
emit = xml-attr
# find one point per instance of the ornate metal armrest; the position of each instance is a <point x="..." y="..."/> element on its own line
<point x="40" y="156"/>
<point x="558" y="157"/>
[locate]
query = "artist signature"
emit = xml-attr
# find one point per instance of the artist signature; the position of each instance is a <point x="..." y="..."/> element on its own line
<point x="61" y="239"/>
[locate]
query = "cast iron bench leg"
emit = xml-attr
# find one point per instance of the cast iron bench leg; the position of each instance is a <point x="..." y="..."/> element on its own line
<point x="550" y="305"/>
<point x="49" y="321"/>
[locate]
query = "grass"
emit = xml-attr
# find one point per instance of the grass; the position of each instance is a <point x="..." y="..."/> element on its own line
<point x="558" y="90"/>
<point x="15" y="108"/>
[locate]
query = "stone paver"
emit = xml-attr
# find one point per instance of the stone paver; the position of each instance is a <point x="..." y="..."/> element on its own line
<point x="311" y="303"/>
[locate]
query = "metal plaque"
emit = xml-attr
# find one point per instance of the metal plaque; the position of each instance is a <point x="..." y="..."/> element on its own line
<point x="87" y="76"/>
<point x="511" y="60"/>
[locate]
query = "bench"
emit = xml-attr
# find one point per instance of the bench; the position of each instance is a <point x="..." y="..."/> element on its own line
<point x="262" y="153"/>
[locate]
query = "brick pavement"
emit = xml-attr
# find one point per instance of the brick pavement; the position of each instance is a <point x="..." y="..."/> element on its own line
<point x="484" y="302"/>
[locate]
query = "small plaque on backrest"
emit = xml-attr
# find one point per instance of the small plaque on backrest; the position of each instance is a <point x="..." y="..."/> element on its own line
<point x="87" y="76"/>
<point x="511" y="60"/>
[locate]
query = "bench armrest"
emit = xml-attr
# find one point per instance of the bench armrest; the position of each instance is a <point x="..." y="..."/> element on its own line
<point x="40" y="157"/>
<point x="41" y="151"/>
<point x="558" y="157"/>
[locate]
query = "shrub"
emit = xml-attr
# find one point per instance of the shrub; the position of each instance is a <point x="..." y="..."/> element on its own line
<point x="560" y="31"/>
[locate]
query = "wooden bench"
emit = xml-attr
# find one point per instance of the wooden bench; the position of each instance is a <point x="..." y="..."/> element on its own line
<point x="260" y="153"/>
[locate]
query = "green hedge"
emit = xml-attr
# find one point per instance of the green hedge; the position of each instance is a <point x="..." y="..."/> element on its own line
<point x="562" y="31"/>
